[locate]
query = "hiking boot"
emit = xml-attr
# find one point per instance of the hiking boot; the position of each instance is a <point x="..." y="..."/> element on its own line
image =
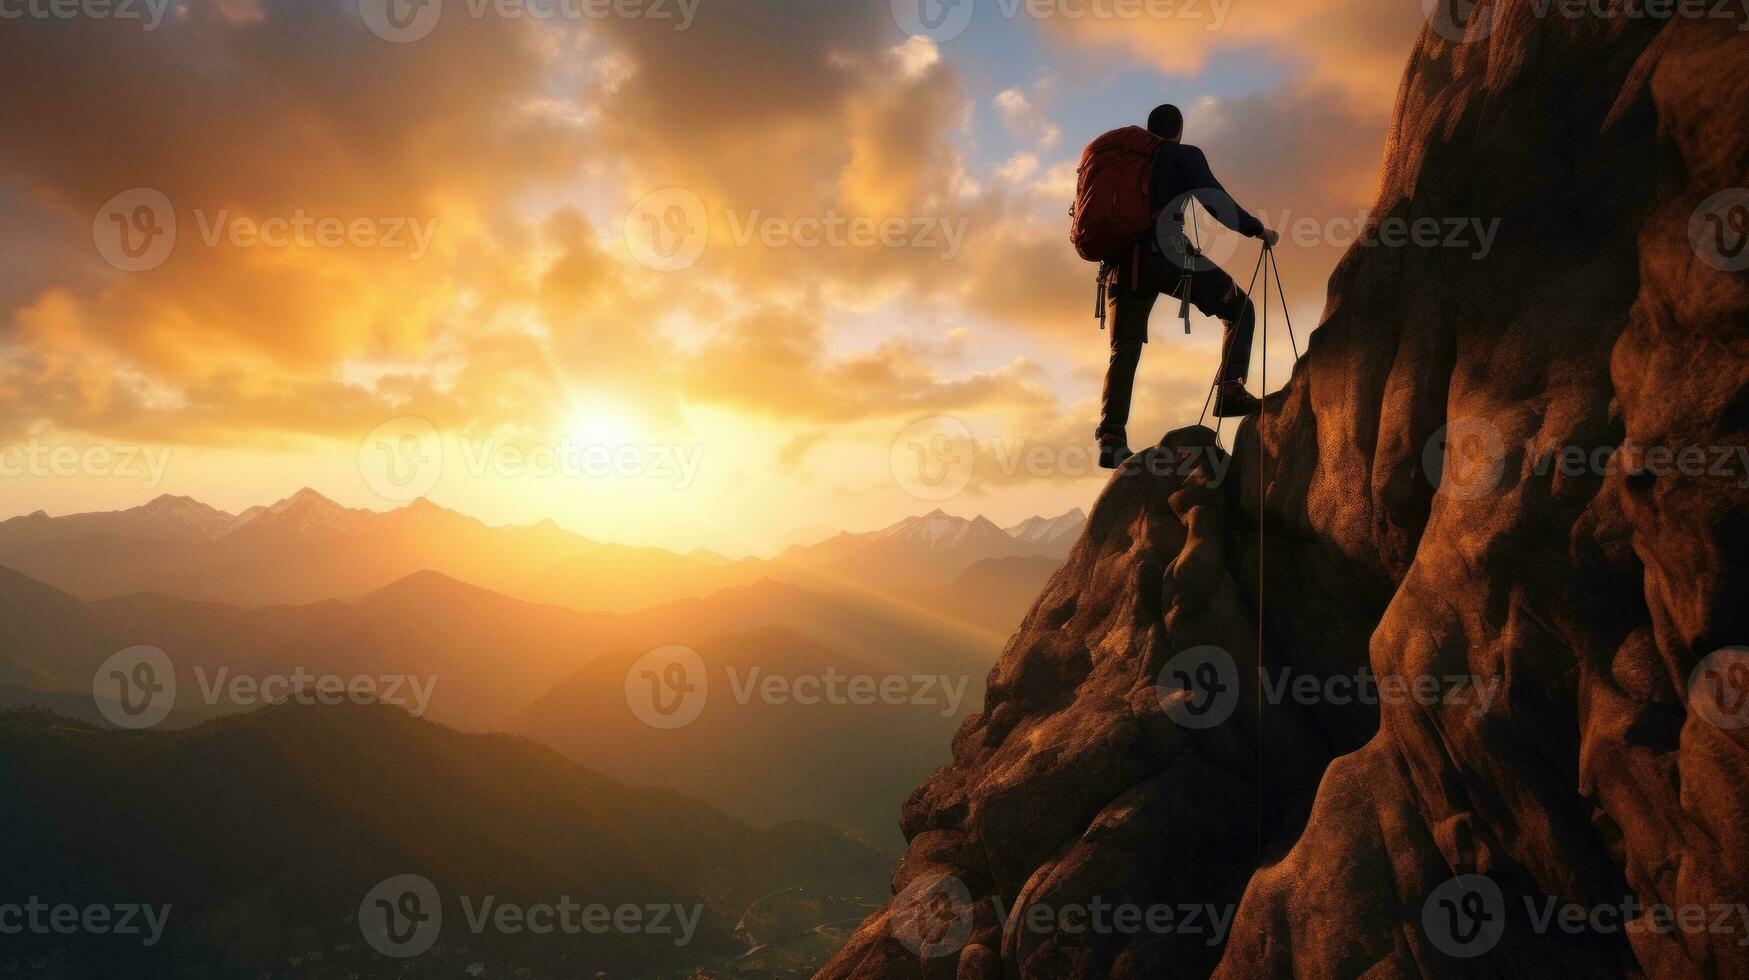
<point x="1113" y="450"/>
<point x="1233" y="401"/>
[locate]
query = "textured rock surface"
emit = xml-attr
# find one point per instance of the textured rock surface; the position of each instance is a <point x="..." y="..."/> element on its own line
<point x="1585" y="599"/>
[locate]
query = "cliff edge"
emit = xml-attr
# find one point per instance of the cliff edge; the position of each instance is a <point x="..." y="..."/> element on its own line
<point x="1493" y="724"/>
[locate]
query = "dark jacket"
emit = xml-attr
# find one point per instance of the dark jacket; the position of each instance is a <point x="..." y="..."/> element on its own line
<point x="1180" y="170"/>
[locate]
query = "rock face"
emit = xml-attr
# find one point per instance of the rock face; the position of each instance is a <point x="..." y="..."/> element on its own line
<point x="1440" y="507"/>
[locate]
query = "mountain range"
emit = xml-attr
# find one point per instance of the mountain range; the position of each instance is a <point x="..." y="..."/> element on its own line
<point x="307" y="548"/>
<point x="264" y="833"/>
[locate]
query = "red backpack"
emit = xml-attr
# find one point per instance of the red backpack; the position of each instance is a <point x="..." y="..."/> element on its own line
<point x="1112" y="210"/>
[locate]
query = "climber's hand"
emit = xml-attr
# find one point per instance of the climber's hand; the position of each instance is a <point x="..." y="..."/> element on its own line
<point x="1271" y="238"/>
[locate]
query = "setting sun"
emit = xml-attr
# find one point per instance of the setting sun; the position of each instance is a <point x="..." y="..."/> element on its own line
<point x="602" y="426"/>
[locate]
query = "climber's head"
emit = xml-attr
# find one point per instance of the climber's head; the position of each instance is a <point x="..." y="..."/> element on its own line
<point x="1166" y="122"/>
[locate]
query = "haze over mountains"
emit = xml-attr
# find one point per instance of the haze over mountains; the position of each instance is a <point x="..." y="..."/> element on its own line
<point x="306" y="548"/>
<point x="773" y="816"/>
<point x="294" y="587"/>
<point x="264" y="833"/>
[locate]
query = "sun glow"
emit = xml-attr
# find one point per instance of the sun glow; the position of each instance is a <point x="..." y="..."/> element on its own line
<point x="602" y="426"/>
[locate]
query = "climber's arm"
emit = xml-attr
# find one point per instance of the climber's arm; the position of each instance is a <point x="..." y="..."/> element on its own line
<point x="1215" y="199"/>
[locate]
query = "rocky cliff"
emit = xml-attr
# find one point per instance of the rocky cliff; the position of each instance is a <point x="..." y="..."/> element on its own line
<point x="1488" y="723"/>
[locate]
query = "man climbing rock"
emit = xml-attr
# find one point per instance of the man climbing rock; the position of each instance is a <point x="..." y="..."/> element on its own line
<point x="1166" y="262"/>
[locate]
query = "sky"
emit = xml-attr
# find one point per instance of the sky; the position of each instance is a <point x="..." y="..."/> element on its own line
<point x="721" y="273"/>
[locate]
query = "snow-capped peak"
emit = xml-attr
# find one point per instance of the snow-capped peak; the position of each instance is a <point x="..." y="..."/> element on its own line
<point x="303" y="511"/>
<point x="938" y="529"/>
<point x="1046" y="529"/>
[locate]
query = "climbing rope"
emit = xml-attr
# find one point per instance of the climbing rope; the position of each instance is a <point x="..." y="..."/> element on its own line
<point x="1263" y="386"/>
<point x="1265" y="257"/>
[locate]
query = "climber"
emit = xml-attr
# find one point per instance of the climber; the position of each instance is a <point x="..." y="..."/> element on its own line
<point x="1166" y="262"/>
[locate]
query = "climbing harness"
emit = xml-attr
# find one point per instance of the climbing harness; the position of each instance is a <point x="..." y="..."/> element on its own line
<point x="1190" y="253"/>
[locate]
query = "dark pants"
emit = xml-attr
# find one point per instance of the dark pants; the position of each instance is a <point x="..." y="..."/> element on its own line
<point x="1129" y="298"/>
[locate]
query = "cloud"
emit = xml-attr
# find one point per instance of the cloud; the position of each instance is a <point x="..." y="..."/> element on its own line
<point x="774" y="362"/>
<point x="1024" y="119"/>
<point x="1358" y="47"/>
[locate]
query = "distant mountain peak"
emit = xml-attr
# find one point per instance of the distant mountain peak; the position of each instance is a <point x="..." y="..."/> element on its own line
<point x="303" y="511"/>
<point x="305" y="494"/>
<point x="939" y="529"/>
<point x="1053" y="534"/>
